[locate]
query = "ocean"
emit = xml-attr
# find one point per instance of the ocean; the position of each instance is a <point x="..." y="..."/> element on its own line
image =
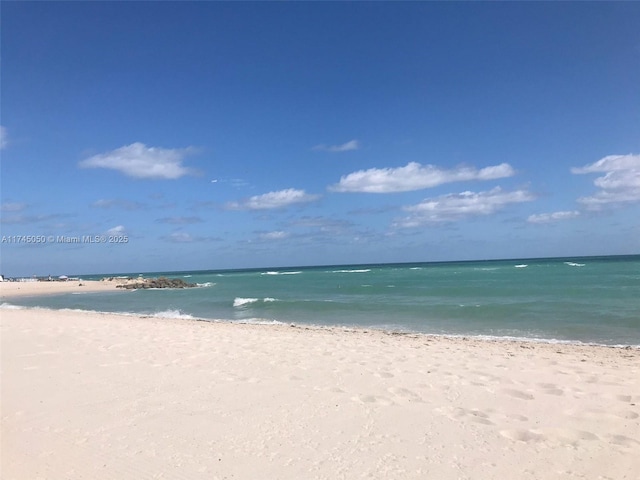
<point x="576" y="300"/>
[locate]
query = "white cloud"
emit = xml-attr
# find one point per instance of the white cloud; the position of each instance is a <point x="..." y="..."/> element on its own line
<point x="4" y="138"/>
<point x="117" y="203"/>
<point x="12" y="207"/>
<point x="234" y="182"/>
<point x="415" y="176"/>
<point x="452" y="207"/>
<point x="610" y="163"/>
<point x="345" y="147"/>
<point x="272" y="200"/>
<point x="117" y="230"/>
<point x="139" y="161"/>
<point x="184" y="237"/>
<point x="276" y="235"/>
<point x="553" y="217"/>
<point x="620" y="183"/>
<point x="180" y="237"/>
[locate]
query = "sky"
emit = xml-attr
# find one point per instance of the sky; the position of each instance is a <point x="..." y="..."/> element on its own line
<point x="160" y="136"/>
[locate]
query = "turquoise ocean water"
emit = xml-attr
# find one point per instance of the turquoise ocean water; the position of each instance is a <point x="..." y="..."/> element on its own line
<point x="588" y="299"/>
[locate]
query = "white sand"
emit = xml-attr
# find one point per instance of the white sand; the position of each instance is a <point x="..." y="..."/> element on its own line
<point x="92" y="396"/>
<point x="25" y="289"/>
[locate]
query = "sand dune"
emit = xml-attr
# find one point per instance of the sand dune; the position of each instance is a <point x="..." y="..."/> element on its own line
<point x="106" y="396"/>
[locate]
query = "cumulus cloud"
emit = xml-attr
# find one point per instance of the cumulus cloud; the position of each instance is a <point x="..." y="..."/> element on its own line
<point x="452" y="207"/>
<point x="620" y="183"/>
<point x="273" y="200"/>
<point x="345" y="147"/>
<point x="553" y="217"/>
<point x="4" y="138"/>
<point x="139" y="161"/>
<point x="415" y="176"/>
<point x="610" y="163"/>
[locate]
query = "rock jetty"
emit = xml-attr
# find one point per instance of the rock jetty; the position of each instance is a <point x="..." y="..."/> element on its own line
<point x="162" y="282"/>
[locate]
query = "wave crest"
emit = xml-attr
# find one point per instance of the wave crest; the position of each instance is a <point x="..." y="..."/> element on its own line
<point x="361" y="270"/>
<point x="280" y="273"/>
<point x="241" y="302"/>
<point x="9" y="306"/>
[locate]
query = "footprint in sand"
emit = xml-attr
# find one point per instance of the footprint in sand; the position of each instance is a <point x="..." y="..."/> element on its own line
<point x="519" y="435"/>
<point x="478" y="416"/>
<point x="551" y="389"/>
<point x="463" y="414"/>
<point x="405" y="394"/>
<point x="598" y="413"/>
<point x="518" y="417"/>
<point x="622" y="440"/>
<point x="373" y="399"/>
<point x="566" y="436"/>
<point x="518" y="394"/>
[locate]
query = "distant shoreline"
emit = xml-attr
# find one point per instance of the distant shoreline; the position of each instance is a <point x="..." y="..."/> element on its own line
<point x="519" y="260"/>
<point x="10" y="290"/>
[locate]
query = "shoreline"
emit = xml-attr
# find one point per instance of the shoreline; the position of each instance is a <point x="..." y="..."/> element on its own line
<point x="15" y="290"/>
<point x="476" y="340"/>
<point x="4" y="305"/>
<point x="102" y="396"/>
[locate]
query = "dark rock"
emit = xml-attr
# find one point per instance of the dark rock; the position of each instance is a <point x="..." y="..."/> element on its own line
<point x="161" y="282"/>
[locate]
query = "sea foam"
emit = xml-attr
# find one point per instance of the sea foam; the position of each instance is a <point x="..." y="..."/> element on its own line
<point x="242" y="302"/>
<point x="173" y="314"/>
<point x="281" y="273"/>
<point x="363" y="270"/>
<point x="8" y="306"/>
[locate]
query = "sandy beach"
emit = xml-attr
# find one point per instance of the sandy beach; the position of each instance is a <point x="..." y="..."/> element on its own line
<point x="28" y="289"/>
<point x="101" y="396"/>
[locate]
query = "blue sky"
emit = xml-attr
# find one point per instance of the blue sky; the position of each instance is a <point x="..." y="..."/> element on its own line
<point x="231" y="135"/>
